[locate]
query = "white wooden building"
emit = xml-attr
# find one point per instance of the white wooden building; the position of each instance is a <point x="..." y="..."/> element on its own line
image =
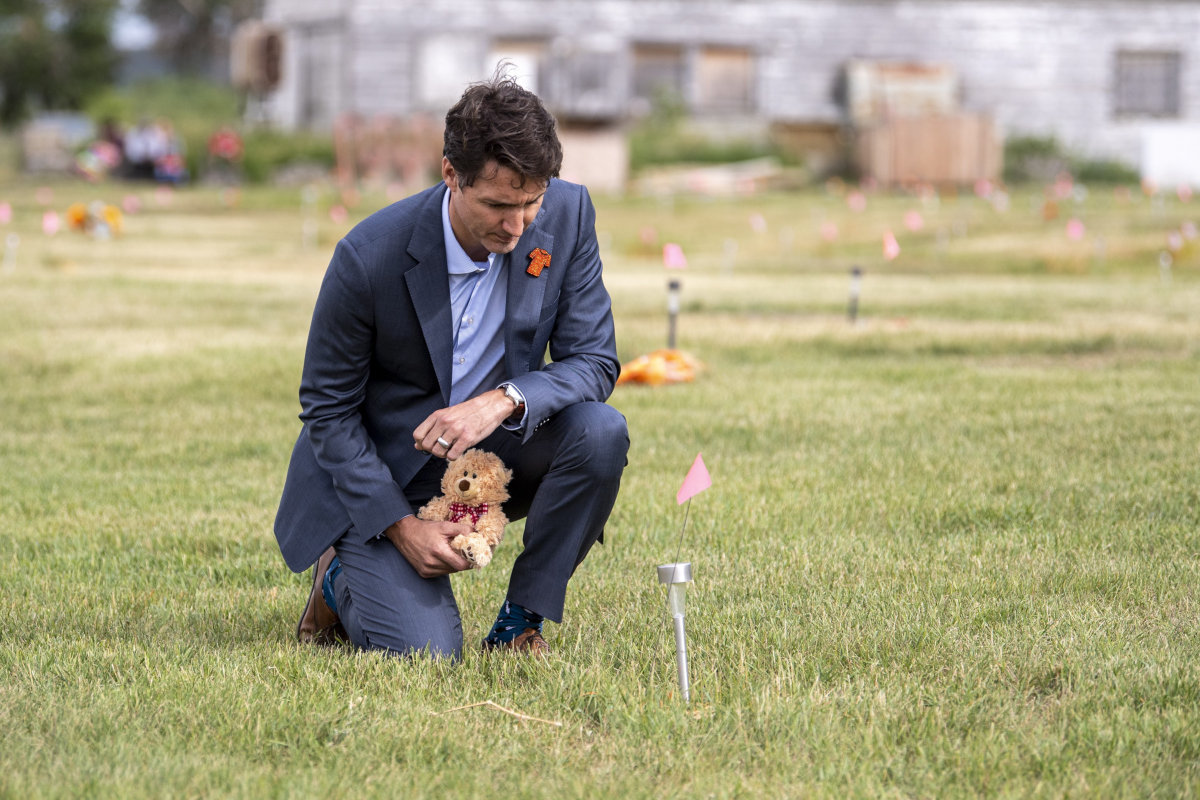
<point x="1106" y="77"/>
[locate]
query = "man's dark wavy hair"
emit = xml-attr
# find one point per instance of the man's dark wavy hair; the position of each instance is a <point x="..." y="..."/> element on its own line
<point x="498" y="120"/>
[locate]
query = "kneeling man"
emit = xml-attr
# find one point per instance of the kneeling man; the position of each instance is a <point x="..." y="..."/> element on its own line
<point x="429" y="337"/>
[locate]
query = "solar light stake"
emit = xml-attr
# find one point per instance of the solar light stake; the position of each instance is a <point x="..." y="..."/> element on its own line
<point x="677" y="576"/>
<point x="11" y="243"/>
<point x="855" y="291"/>
<point x="731" y="250"/>
<point x="672" y="311"/>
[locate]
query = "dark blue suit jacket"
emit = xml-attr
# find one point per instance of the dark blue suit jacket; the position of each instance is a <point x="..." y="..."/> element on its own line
<point x="379" y="349"/>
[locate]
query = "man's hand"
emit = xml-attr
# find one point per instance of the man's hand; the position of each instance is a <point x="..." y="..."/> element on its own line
<point x="425" y="544"/>
<point x="461" y="427"/>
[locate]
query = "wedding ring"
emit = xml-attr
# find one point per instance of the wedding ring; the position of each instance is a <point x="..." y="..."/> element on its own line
<point x="443" y="443"/>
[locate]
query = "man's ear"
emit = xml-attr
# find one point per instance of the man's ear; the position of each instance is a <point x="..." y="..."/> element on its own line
<point x="449" y="176"/>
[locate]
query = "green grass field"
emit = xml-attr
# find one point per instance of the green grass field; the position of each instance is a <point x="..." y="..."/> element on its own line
<point x="950" y="551"/>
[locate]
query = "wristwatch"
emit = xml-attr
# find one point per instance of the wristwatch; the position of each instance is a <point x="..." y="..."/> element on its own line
<point x="514" y="394"/>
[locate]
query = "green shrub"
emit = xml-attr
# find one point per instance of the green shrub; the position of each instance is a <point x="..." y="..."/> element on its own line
<point x="1102" y="171"/>
<point x="691" y="148"/>
<point x="1033" y="158"/>
<point x="10" y="156"/>
<point x="1041" y="158"/>
<point x="267" y="151"/>
<point x="187" y="102"/>
<point x="665" y="137"/>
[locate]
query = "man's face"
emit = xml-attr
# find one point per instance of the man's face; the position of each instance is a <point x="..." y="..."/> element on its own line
<point x="490" y="215"/>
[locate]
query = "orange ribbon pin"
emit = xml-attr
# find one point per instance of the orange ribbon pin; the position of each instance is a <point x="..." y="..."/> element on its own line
<point x="539" y="259"/>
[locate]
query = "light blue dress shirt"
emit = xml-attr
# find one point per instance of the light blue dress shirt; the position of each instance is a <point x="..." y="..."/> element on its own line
<point x="478" y="293"/>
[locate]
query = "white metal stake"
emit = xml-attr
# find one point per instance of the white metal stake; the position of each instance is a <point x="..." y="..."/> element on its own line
<point x="11" y="243"/>
<point x="677" y="576"/>
<point x="672" y="311"/>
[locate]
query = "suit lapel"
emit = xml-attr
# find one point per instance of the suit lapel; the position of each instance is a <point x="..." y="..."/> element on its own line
<point x="525" y="294"/>
<point x="429" y="287"/>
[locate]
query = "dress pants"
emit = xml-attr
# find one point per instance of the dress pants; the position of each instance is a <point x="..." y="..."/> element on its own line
<point x="565" y="481"/>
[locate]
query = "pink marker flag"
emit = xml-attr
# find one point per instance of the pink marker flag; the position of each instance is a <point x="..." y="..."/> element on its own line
<point x="50" y="223"/>
<point x="891" y="248"/>
<point x="673" y="257"/>
<point x="697" y="481"/>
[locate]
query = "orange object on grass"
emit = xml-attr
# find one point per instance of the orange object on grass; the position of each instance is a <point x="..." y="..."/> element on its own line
<point x="660" y="367"/>
<point x="88" y="218"/>
<point x="77" y="216"/>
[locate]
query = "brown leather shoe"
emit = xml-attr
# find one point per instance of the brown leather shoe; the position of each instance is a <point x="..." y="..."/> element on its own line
<point x="319" y="624"/>
<point x="529" y="642"/>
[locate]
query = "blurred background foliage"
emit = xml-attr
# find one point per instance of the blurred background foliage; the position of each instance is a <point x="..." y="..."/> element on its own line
<point x="1029" y="159"/>
<point x="190" y="31"/>
<point x="668" y="136"/>
<point x="54" y="54"/>
<point x="60" y="55"/>
<point x="196" y="107"/>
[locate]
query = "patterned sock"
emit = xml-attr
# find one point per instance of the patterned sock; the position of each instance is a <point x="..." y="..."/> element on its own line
<point x="335" y="569"/>
<point x="511" y="622"/>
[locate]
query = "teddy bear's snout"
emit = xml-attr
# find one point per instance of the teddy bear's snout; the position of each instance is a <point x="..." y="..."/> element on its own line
<point x="464" y="486"/>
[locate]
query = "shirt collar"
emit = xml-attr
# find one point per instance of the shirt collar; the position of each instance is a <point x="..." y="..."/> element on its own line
<point x="457" y="260"/>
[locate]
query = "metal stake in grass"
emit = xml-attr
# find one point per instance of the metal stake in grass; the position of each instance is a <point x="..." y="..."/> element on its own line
<point x="855" y="291"/>
<point x="678" y="574"/>
<point x="1164" y="267"/>
<point x="672" y="311"/>
<point x="11" y="243"/>
<point x="731" y="251"/>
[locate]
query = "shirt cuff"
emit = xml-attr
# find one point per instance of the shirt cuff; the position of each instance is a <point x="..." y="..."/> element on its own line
<point x="383" y="533"/>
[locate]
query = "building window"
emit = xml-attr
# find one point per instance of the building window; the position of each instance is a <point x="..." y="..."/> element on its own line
<point x="524" y="60"/>
<point x="659" y="74"/>
<point x="444" y="68"/>
<point x="724" y="80"/>
<point x="587" y="85"/>
<point x="1147" y="84"/>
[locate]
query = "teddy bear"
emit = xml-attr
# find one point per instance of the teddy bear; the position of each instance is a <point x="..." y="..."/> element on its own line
<point x="474" y="486"/>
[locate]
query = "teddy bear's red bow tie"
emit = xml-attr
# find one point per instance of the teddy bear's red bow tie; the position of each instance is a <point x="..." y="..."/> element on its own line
<point x="460" y="510"/>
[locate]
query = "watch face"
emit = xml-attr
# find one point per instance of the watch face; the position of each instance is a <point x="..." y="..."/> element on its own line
<point x="510" y="392"/>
